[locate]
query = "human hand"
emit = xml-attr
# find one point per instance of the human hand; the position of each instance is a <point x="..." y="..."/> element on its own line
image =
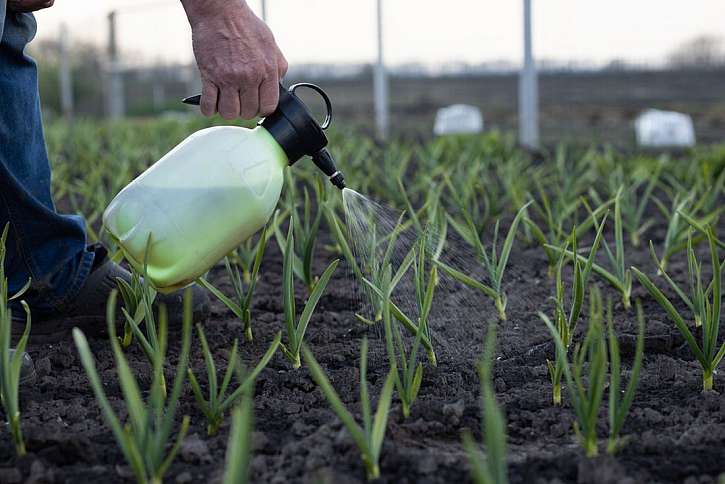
<point x="28" y="5"/>
<point x="238" y="58"/>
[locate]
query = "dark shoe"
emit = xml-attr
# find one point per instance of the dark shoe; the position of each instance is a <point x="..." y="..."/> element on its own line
<point x="88" y="310"/>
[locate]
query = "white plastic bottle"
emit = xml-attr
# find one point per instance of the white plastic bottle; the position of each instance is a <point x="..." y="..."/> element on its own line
<point x="212" y="191"/>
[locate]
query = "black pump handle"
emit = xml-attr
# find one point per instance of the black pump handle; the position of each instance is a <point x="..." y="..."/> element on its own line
<point x="328" y="105"/>
<point x="196" y="99"/>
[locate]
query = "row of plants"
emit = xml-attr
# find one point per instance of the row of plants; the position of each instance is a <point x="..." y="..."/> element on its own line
<point x="573" y="206"/>
<point x="153" y="424"/>
<point x="91" y="162"/>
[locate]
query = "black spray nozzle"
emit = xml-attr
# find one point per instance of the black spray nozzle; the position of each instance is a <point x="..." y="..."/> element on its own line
<point x="324" y="161"/>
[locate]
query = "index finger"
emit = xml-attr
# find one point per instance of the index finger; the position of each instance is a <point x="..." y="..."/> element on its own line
<point x="209" y="98"/>
<point x="268" y="96"/>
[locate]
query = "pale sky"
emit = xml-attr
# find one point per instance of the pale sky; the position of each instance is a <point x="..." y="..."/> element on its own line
<point x="415" y="30"/>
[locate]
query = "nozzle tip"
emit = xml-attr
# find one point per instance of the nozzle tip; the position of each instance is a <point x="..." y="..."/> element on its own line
<point x="338" y="180"/>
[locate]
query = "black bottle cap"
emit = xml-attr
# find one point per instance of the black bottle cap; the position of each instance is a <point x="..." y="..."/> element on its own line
<point x="293" y="127"/>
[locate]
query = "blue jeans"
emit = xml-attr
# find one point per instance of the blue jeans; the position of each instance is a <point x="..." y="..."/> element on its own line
<point x="42" y="245"/>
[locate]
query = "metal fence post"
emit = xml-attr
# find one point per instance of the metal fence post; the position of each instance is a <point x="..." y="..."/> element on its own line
<point x="380" y="85"/>
<point x="114" y="90"/>
<point x="528" y="89"/>
<point x="65" y="73"/>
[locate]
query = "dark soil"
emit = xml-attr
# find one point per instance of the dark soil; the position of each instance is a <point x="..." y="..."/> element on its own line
<point x="677" y="433"/>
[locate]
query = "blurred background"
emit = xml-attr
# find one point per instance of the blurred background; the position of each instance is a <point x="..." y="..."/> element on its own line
<point x="586" y="71"/>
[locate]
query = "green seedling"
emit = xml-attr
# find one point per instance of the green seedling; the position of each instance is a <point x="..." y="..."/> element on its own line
<point x="396" y="157"/>
<point x="371" y="289"/>
<point x="245" y="256"/>
<point x="555" y="212"/>
<point x="469" y="196"/>
<point x="620" y="277"/>
<point x="620" y="401"/>
<point x="138" y="297"/>
<point x="368" y="437"/>
<point x="296" y="332"/>
<point x="410" y="376"/>
<point x="586" y="393"/>
<point x="489" y="467"/>
<point x="401" y="318"/>
<point x="512" y="190"/>
<point x="695" y="298"/>
<point x="436" y="225"/>
<point x="239" y="445"/>
<point x="379" y="262"/>
<point x="700" y="227"/>
<point x="566" y="321"/>
<point x="403" y="364"/>
<point x="425" y="284"/>
<point x="635" y="196"/>
<point x="140" y="300"/>
<point x="408" y="372"/>
<point x="145" y="437"/>
<point x="555" y="230"/>
<point x="705" y="303"/>
<point x="634" y="207"/>
<point x="709" y="186"/>
<point x="555" y="235"/>
<point x="132" y="295"/>
<point x="305" y="231"/>
<point x="558" y="187"/>
<point x="11" y="360"/>
<point x="336" y="227"/>
<point x="493" y="262"/>
<point x="676" y="226"/>
<point x="241" y="304"/>
<point x="218" y="401"/>
<point x="680" y="218"/>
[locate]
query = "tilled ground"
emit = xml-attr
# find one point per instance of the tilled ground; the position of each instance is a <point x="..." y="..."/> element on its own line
<point x="677" y="433"/>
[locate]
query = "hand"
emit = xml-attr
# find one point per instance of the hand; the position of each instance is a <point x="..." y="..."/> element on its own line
<point x="239" y="61"/>
<point x="29" y="5"/>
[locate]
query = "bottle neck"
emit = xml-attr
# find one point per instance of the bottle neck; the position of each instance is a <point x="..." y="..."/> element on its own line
<point x="278" y="151"/>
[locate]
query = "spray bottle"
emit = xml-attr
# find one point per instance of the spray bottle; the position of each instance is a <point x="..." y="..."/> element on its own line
<point x="214" y="190"/>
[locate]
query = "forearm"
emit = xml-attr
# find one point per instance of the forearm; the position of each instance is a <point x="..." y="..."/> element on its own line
<point x="198" y="11"/>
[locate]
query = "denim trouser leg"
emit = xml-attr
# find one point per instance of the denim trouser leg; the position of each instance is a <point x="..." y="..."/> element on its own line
<point x="42" y="245"/>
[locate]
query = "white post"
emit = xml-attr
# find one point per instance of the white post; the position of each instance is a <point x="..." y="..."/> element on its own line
<point x="264" y="11"/>
<point x="528" y="89"/>
<point x="64" y="74"/>
<point x="381" y="83"/>
<point x="114" y="91"/>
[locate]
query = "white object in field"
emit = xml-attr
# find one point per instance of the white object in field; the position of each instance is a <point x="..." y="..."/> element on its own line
<point x="458" y="119"/>
<point x="657" y="129"/>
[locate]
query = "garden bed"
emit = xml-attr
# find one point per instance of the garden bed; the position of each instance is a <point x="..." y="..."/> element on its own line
<point x="677" y="433"/>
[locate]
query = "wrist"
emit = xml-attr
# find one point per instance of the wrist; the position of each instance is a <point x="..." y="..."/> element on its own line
<point x="201" y="11"/>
